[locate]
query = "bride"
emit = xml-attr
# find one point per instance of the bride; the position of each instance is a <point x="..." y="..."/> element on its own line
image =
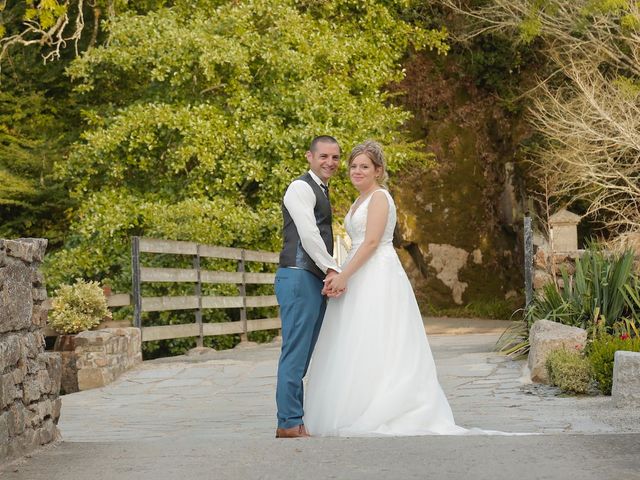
<point x="372" y="371"/>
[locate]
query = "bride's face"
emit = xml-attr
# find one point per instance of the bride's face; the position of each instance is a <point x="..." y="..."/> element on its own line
<point x="363" y="173"/>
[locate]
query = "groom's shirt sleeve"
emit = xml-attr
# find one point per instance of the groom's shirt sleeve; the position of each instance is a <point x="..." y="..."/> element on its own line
<point x="300" y="201"/>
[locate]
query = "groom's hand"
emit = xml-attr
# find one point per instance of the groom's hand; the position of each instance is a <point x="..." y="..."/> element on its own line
<point x="330" y="289"/>
<point x="327" y="282"/>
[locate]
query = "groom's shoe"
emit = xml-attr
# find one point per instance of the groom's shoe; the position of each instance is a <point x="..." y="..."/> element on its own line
<point x="294" y="432"/>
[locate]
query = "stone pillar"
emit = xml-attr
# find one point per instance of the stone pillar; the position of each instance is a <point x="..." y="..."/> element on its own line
<point x="564" y="242"/>
<point x="564" y="231"/>
<point x="29" y="376"/>
<point x="625" y="391"/>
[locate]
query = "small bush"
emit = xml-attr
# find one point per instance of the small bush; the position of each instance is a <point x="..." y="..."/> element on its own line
<point x="601" y="355"/>
<point x="569" y="370"/>
<point x="78" y="307"/>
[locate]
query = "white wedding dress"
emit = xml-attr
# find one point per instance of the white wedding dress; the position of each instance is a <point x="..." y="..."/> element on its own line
<point x="372" y="371"/>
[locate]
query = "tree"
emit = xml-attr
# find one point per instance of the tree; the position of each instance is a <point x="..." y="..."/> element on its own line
<point x="54" y="25"/>
<point x="586" y="102"/>
<point x="201" y="116"/>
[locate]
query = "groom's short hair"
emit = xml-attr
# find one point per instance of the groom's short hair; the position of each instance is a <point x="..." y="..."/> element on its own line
<point x="322" y="139"/>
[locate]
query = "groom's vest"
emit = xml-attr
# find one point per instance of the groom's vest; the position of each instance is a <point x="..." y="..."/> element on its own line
<point x="292" y="254"/>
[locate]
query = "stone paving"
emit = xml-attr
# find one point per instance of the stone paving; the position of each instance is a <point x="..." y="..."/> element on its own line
<point x="230" y="394"/>
<point x="213" y="416"/>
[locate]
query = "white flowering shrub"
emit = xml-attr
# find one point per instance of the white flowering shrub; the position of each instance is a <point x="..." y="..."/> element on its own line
<point x="78" y="307"/>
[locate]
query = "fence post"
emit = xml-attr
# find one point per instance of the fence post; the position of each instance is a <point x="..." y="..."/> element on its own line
<point x="243" y="294"/>
<point x="135" y="279"/>
<point x="196" y="266"/>
<point x="528" y="259"/>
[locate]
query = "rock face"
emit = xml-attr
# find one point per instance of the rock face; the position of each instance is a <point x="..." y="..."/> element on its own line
<point x="459" y="222"/>
<point x="625" y="391"/>
<point x="102" y="355"/>
<point x="29" y="376"/>
<point x="546" y="336"/>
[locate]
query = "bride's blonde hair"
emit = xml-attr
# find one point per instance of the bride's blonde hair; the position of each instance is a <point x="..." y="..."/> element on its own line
<point x="373" y="151"/>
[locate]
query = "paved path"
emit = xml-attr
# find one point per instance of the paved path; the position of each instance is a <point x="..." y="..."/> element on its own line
<point x="213" y="417"/>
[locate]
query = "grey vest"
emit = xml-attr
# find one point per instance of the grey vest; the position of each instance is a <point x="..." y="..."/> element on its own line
<point x="292" y="254"/>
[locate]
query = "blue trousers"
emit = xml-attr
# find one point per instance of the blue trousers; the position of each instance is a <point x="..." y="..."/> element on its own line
<point x="302" y="308"/>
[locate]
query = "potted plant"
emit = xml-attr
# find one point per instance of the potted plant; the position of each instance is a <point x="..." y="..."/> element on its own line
<point x="75" y="308"/>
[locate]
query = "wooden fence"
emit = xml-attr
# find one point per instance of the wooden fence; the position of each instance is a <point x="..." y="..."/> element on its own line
<point x="198" y="302"/>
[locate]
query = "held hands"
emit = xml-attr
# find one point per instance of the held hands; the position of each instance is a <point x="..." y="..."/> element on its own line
<point x="335" y="284"/>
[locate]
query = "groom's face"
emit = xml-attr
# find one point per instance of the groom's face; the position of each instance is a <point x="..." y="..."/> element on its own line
<point x="324" y="159"/>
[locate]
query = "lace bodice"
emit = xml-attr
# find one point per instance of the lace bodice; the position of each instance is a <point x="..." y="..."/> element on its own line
<point x="356" y="223"/>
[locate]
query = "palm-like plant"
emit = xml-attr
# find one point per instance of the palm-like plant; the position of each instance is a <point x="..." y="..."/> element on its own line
<point x="602" y="293"/>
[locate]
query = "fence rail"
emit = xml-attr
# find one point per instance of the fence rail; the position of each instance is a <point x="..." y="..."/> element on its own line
<point x="197" y="301"/>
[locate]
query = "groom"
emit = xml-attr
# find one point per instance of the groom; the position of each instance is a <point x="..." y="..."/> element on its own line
<point x="305" y="260"/>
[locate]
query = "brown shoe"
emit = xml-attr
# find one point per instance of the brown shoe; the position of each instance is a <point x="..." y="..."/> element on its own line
<point x="294" y="432"/>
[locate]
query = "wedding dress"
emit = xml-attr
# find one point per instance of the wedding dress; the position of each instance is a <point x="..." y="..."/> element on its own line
<point x="372" y="372"/>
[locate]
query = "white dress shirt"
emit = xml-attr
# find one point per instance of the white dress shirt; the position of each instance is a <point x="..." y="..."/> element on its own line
<point x="300" y="200"/>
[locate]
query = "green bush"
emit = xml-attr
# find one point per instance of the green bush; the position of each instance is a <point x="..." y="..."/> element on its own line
<point x="601" y="354"/>
<point x="78" y="307"/>
<point x="569" y="370"/>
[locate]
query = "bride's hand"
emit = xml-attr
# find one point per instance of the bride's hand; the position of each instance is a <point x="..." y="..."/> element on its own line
<point x="335" y="285"/>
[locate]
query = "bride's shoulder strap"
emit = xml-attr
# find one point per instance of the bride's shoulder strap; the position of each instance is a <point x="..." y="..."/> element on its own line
<point x="386" y="193"/>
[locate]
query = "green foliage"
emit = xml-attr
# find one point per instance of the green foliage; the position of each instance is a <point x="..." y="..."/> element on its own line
<point x="78" y="307"/>
<point x="569" y="370"/>
<point x="36" y="126"/>
<point x="199" y="118"/>
<point x="596" y="293"/>
<point x="601" y="353"/>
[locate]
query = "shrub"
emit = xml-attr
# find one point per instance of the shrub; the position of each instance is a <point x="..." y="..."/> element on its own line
<point x="78" y="307"/>
<point x="569" y="370"/>
<point x="601" y="354"/>
<point x="600" y="290"/>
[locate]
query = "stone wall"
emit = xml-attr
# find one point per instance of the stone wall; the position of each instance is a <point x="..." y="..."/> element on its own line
<point x="102" y="355"/>
<point x="29" y="376"/>
<point x="547" y="267"/>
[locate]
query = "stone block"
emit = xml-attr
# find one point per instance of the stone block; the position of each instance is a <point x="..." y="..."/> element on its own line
<point x="92" y="337"/>
<point x="54" y="371"/>
<point x="33" y="343"/>
<point x="4" y="428"/>
<point x="47" y="433"/>
<point x="541" y="278"/>
<point x="30" y="390"/>
<point x="19" y="373"/>
<point x="39" y="316"/>
<point x="10" y="350"/>
<point x="17" y="249"/>
<point x="16" y="304"/>
<point x="89" y="378"/>
<point x="55" y="409"/>
<point x="625" y="391"/>
<point x="8" y="390"/>
<point x="44" y="381"/>
<point x="540" y="259"/>
<point x="38" y="247"/>
<point x="546" y="336"/>
<point x="39" y="294"/>
<point x="41" y="410"/>
<point x="16" y="419"/>
<point x="101" y="361"/>
<point x="37" y="278"/>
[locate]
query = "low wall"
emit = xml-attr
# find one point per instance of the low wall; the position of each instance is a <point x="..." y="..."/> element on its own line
<point x="547" y="266"/>
<point x="102" y="355"/>
<point x="29" y="376"/>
